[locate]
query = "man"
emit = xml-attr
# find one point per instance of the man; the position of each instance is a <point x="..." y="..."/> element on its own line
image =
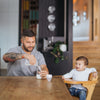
<point x="23" y="60"/>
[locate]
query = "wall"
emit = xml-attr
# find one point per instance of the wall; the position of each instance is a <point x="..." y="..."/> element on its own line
<point x="9" y="12"/>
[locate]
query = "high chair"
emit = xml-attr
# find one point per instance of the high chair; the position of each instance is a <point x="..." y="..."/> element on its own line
<point x="90" y="85"/>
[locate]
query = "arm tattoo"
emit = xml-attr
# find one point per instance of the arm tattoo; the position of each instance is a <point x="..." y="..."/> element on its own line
<point x="10" y="57"/>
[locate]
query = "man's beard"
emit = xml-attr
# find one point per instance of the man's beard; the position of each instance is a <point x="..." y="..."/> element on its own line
<point x="26" y="49"/>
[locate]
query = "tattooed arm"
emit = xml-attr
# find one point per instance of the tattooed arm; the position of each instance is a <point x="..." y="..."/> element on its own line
<point x="11" y="57"/>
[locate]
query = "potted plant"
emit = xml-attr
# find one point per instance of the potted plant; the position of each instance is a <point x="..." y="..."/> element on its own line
<point x="57" y="51"/>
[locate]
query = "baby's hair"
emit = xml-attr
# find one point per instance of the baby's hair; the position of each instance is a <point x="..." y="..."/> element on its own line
<point x="83" y="58"/>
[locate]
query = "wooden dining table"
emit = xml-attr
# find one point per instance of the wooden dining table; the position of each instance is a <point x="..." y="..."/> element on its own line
<point x="30" y="88"/>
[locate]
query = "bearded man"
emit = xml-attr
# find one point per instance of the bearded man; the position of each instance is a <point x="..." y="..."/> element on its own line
<point x="23" y="60"/>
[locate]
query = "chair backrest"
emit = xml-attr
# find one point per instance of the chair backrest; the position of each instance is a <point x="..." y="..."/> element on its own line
<point x="90" y="85"/>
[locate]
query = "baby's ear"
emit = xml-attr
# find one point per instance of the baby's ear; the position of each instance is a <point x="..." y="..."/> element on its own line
<point x="85" y="66"/>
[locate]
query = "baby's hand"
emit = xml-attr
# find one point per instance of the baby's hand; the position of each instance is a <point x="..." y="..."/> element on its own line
<point x="63" y="77"/>
<point x="66" y="78"/>
<point x="95" y="74"/>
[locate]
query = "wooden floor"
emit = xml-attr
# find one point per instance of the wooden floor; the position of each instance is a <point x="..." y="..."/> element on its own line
<point x="92" y="51"/>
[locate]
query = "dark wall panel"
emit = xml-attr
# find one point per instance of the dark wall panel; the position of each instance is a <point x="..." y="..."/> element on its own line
<point x="43" y="14"/>
<point x="66" y="65"/>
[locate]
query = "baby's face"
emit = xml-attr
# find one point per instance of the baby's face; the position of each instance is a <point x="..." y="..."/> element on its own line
<point x="80" y="66"/>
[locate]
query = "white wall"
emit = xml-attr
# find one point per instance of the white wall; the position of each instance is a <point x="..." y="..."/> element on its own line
<point x="9" y="21"/>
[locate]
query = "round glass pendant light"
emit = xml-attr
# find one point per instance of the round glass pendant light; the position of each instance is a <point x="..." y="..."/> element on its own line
<point x="51" y="26"/>
<point x="51" y="18"/>
<point x="51" y="9"/>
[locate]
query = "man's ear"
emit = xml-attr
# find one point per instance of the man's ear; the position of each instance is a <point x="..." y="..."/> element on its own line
<point x="22" y="40"/>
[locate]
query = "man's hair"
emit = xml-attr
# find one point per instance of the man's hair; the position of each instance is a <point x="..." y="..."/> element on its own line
<point x="28" y="33"/>
<point x="83" y="59"/>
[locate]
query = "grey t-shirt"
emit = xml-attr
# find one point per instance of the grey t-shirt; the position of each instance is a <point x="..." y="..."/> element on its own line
<point x="22" y="67"/>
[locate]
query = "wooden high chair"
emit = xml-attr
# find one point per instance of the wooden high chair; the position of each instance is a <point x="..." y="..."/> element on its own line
<point x="90" y="85"/>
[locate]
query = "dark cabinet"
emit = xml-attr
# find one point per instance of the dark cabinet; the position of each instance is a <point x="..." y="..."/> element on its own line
<point x="59" y="68"/>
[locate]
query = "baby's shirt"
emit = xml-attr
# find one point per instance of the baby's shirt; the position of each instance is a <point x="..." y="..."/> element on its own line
<point x="79" y="76"/>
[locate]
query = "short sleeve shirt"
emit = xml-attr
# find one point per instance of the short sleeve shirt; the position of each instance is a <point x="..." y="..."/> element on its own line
<point x="22" y="67"/>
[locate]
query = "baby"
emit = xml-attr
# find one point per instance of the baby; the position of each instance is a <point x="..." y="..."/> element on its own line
<point x="80" y="73"/>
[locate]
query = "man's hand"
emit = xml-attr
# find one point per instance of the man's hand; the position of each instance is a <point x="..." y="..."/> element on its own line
<point x="31" y="58"/>
<point x="43" y="74"/>
<point x="44" y="71"/>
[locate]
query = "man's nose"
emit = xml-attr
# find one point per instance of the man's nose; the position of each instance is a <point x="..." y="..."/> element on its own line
<point x="31" y="44"/>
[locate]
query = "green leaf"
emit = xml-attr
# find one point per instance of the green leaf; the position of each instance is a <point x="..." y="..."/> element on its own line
<point x="57" y="60"/>
<point x="62" y="57"/>
<point x="54" y="50"/>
